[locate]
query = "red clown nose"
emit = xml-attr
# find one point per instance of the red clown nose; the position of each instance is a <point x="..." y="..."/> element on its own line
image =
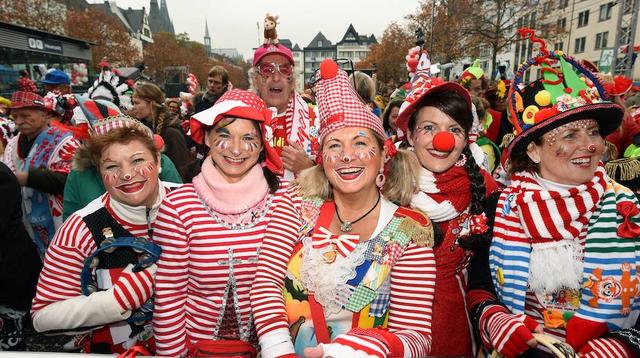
<point x="444" y="141"/>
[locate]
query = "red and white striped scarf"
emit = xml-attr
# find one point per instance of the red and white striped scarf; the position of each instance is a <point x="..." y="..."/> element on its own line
<point x="555" y="220"/>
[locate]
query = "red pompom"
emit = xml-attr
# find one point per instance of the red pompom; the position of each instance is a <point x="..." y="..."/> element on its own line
<point x="444" y="142"/>
<point x="158" y="142"/>
<point x="568" y="90"/>
<point x="328" y="69"/>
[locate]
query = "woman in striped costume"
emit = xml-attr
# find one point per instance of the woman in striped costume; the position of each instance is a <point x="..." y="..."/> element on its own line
<point x="129" y="162"/>
<point x="211" y="232"/>
<point x="437" y="117"/>
<point x="566" y="244"/>
<point x="361" y="280"/>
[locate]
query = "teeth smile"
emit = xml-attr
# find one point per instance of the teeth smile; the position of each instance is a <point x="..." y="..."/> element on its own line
<point x="349" y="170"/>
<point x="233" y="160"/>
<point x="581" y="161"/>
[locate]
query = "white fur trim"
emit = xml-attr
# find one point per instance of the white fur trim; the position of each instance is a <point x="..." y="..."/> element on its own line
<point x="555" y="265"/>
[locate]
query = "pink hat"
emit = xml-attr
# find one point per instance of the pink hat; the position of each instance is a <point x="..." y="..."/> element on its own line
<point x="269" y="49"/>
<point x="239" y="104"/>
<point x="339" y="106"/>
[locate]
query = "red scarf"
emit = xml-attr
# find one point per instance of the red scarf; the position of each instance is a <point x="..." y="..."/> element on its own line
<point x="455" y="185"/>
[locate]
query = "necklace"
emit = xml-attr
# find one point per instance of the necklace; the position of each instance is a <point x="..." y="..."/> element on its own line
<point x="346" y="226"/>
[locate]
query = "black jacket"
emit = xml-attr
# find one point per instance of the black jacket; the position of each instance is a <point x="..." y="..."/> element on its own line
<point x="20" y="264"/>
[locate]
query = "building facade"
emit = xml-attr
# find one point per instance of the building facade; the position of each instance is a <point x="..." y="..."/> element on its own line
<point x="135" y="22"/>
<point x="318" y="49"/>
<point x="353" y="46"/>
<point x="584" y="29"/>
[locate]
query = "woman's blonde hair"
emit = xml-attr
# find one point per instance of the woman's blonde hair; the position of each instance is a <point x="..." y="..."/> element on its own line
<point x="400" y="185"/>
<point x="150" y="92"/>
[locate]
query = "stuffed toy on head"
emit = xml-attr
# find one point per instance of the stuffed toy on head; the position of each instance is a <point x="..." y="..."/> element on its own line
<point x="270" y="34"/>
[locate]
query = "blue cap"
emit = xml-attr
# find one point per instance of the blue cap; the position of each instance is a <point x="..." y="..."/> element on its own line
<point x="56" y="77"/>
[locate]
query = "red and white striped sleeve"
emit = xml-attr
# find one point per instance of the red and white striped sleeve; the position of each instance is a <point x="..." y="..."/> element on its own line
<point x="60" y="277"/>
<point x="411" y="303"/>
<point x="169" y="314"/>
<point x="267" y="302"/>
<point x="412" y="292"/>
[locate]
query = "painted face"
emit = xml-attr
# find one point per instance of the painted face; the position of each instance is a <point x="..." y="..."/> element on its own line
<point x="569" y="154"/>
<point x="215" y="84"/>
<point x="130" y="173"/>
<point x="351" y="159"/>
<point x="30" y="121"/>
<point x="393" y="117"/>
<point x="142" y="108"/>
<point x="235" y="147"/>
<point x="431" y="121"/>
<point x="275" y="89"/>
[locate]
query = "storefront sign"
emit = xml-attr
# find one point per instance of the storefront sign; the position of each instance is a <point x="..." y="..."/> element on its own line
<point x="47" y="45"/>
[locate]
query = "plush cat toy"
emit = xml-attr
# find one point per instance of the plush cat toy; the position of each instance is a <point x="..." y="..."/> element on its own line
<point x="270" y="34"/>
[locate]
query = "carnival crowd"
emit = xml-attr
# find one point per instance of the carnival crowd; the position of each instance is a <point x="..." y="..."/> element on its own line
<point x="453" y="218"/>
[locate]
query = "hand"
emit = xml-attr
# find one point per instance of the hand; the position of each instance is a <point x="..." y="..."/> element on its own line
<point x="134" y="288"/>
<point x="604" y="348"/>
<point x="314" y="352"/>
<point x="22" y="178"/>
<point x="295" y="158"/>
<point x="509" y="334"/>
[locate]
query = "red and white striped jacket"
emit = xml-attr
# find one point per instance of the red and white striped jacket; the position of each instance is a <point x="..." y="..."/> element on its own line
<point x="194" y="268"/>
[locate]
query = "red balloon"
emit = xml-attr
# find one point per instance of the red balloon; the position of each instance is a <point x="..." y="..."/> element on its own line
<point x="444" y="141"/>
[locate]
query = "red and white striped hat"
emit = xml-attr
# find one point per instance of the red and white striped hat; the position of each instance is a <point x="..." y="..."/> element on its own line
<point x="339" y="106"/>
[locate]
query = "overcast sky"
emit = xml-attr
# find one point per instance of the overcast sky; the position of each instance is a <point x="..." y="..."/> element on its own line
<point x="232" y="23"/>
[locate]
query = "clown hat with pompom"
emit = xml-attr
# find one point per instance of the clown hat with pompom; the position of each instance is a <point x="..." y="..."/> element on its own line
<point x="339" y="106"/>
<point x="559" y="97"/>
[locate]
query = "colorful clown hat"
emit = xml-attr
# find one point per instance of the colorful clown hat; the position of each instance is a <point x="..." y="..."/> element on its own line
<point x="559" y="97"/>
<point x="339" y="106"/>
<point x="473" y="72"/>
<point x="423" y="85"/>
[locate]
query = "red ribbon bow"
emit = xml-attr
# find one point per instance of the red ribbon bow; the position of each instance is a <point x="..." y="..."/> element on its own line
<point x="628" y="229"/>
<point x="344" y="244"/>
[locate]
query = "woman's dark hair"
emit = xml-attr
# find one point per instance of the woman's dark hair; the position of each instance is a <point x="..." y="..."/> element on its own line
<point x="453" y="105"/>
<point x="520" y="161"/>
<point x="396" y="103"/>
<point x="478" y="200"/>
<point x="273" y="181"/>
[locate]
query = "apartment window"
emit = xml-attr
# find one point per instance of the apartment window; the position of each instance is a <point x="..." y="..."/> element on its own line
<point x="601" y="40"/>
<point x="563" y="4"/>
<point x="562" y="23"/>
<point x="605" y="12"/>
<point x="320" y="43"/>
<point x="579" y="46"/>
<point x="559" y="46"/>
<point x="546" y="7"/>
<point x="583" y="18"/>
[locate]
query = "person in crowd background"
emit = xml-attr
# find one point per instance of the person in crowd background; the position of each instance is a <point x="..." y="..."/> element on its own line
<point x="40" y="156"/>
<point x="217" y="84"/>
<point x="150" y="109"/>
<point x="294" y="128"/>
<point x="390" y="116"/>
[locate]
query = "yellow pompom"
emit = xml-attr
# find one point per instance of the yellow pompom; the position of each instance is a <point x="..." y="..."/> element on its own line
<point x="543" y="98"/>
<point x="528" y="117"/>
<point x="561" y="53"/>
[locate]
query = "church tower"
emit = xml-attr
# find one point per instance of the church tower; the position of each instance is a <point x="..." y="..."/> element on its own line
<point x="207" y="39"/>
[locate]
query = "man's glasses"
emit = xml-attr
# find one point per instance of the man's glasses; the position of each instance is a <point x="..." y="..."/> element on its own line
<point x="269" y="68"/>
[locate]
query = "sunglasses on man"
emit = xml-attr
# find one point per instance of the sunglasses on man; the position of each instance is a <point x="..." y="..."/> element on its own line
<point x="269" y="68"/>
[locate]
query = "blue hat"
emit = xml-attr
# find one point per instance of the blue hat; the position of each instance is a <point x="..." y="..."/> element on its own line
<point x="56" y="77"/>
